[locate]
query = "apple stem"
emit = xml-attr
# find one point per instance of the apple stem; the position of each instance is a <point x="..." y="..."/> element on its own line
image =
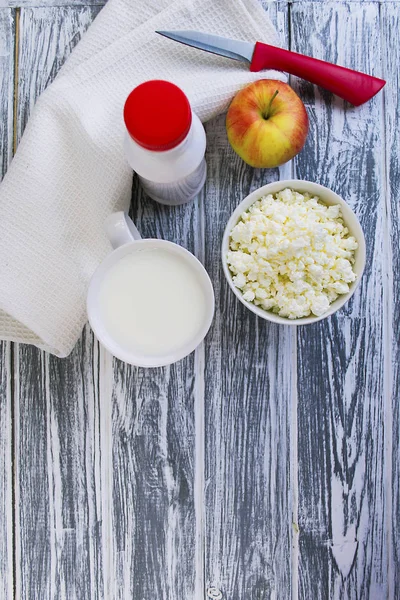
<point x="266" y="114"/>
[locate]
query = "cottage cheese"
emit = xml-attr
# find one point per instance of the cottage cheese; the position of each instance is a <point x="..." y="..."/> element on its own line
<point x="292" y="254"/>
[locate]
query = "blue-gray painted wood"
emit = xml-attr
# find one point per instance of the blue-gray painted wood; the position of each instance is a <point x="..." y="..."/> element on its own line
<point x="390" y="20"/>
<point x="78" y="4"/>
<point x="58" y="532"/>
<point x="341" y="375"/>
<point x="265" y="465"/>
<point x="7" y="38"/>
<point x="250" y="396"/>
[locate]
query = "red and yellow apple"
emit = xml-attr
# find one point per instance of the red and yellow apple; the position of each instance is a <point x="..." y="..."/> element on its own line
<point x="267" y="123"/>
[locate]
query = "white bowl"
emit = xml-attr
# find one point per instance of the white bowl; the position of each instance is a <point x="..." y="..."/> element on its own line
<point x="328" y="197"/>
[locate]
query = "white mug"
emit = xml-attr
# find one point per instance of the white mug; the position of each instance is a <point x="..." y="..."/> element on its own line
<point x="126" y="239"/>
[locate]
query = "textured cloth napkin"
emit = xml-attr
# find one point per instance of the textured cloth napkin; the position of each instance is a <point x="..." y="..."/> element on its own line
<point x="69" y="172"/>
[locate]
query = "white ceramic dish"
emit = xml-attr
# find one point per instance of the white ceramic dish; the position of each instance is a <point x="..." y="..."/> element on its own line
<point x="328" y="197"/>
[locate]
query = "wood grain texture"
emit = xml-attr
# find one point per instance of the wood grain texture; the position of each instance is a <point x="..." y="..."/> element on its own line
<point x="47" y="36"/>
<point x="6" y="497"/>
<point x="341" y="379"/>
<point x="390" y="22"/>
<point x="50" y="3"/>
<point x="7" y="39"/>
<point x="57" y="413"/>
<point x="78" y="3"/>
<point x="75" y="453"/>
<point x="249" y="367"/>
<point x="153" y="451"/>
<point x="249" y="390"/>
<point x="129" y="483"/>
<point x="337" y="2"/>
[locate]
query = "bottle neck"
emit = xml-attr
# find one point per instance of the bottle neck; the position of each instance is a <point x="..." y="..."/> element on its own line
<point x="176" y="150"/>
<point x="168" y="165"/>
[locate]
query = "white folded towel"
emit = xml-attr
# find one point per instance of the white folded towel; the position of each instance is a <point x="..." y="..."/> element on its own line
<point x="69" y="172"/>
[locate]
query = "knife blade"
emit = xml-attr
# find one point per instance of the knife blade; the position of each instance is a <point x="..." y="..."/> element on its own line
<point x="353" y="86"/>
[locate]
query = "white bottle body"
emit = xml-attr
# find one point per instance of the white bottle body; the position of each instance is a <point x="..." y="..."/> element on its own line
<point x="172" y="176"/>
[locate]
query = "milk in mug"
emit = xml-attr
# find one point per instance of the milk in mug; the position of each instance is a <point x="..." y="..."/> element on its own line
<point x="151" y="302"/>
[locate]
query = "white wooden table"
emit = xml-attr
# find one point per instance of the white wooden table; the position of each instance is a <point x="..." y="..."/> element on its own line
<point x="266" y="464"/>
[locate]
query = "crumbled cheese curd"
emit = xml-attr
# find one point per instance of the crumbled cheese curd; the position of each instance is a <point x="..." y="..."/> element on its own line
<point x="292" y="254"/>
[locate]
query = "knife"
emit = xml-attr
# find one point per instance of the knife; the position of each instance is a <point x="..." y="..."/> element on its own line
<point x="353" y="86"/>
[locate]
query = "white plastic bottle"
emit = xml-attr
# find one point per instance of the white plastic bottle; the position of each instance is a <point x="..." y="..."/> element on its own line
<point x="165" y="142"/>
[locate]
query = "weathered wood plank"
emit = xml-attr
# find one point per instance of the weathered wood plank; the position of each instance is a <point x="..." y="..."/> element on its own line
<point x="50" y="3"/>
<point x="58" y="487"/>
<point x="75" y="504"/>
<point x="249" y="390"/>
<point x="6" y="146"/>
<point x="77" y="3"/>
<point x="47" y="36"/>
<point x="153" y="449"/>
<point x="390" y="19"/>
<point x="7" y="40"/>
<point x="343" y="1"/>
<point x="341" y="403"/>
<point x="6" y="496"/>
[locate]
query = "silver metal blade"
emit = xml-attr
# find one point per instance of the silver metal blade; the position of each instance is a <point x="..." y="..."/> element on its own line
<point x="216" y="44"/>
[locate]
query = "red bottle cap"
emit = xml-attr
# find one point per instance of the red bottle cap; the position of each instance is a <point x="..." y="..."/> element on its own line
<point x="157" y="115"/>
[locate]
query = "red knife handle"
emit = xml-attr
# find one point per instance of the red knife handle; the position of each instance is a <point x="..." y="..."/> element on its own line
<point x="353" y="86"/>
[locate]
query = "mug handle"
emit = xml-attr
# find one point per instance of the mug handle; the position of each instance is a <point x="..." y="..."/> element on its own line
<point x="121" y="229"/>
